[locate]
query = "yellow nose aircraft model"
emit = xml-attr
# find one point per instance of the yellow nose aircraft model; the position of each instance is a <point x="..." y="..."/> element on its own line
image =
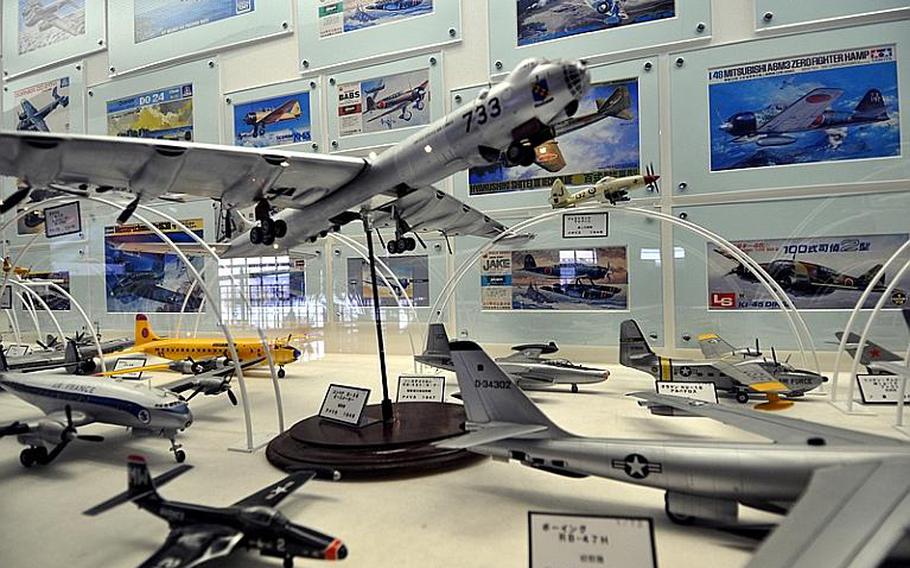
<point x="199" y="352"/>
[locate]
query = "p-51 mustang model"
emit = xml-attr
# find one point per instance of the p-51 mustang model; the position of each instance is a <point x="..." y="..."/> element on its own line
<point x="607" y="190"/>
<point x="847" y="492"/>
<point x="526" y="367"/>
<point x="317" y="193"/>
<point x="200" y="533"/>
<point x="30" y="118"/>
<point x="735" y="371"/>
<point x="70" y="402"/>
<point x="775" y="126"/>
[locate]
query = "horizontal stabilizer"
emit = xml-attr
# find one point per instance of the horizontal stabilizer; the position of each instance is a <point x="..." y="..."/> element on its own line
<point x="490" y="434"/>
<point x="125" y="497"/>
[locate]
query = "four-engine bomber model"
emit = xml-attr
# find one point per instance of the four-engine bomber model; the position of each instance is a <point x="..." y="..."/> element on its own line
<point x="526" y="367"/>
<point x="507" y="122"/>
<point x="200" y="533"/>
<point x="736" y="371"/>
<point x="847" y="492"/>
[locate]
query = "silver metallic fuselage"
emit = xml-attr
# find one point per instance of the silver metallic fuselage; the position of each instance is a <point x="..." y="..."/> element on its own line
<point x="536" y="374"/>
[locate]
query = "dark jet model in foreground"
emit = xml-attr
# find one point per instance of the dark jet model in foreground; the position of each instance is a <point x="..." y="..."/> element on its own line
<point x="526" y="367"/>
<point x="740" y="373"/>
<point x="200" y="533"/>
<point x="846" y="494"/>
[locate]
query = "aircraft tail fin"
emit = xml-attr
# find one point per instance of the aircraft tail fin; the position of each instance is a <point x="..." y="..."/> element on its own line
<point x="144" y="333"/>
<point x="872" y="351"/>
<point x="529" y="261"/>
<point x="437" y="340"/>
<point x="141" y="488"/>
<point x="71" y="357"/>
<point x="557" y="193"/>
<point x="868" y="275"/>
<point x="491" y="398"/>
<point x="872" y="107"/>
<point x="371" y="104"/>
<point x="634" y="350"/>
<point x="618" y="104"/>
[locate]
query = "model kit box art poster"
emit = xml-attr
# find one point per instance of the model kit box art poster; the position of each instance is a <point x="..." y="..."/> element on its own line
<point x="46" y="22"/>
<point x="274" y="121"/>
<point x="340" y="17"/>
<point x="48" y="293"/>
<point x="601" y="139"/>
<point x="822" y="107"/>
<point x="413" y="274"/>
<point x="165" y="113"/>
<point x="157" y="18"/>
<point x="143" y="274"/>
<point x="555" y="279"/>
<point x="544" y="20"/>
<point x="44" y="106"/>
<point x="816" y="272"/>
<point x="384" y="103"/>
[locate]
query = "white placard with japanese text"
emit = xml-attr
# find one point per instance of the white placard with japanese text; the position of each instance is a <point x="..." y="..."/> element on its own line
<point x="420" y="388"/>
<point x="125" y="364"/>
<point x="705" y="392"/>
<point x="582" y="541"/>
<point x="344" y="404"/>
<point x="584" y="225"/>
<point x="881" y="389"/>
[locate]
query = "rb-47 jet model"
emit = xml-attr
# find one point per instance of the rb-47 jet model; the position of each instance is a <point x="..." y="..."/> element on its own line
<point x="740" y="373"/>
<point x="846" y="493"/>
<point x="775" y="126"/>
<point x="200" y="533"/>
<point x="30" y="118"/>
<point x="526" y="367"/>
<point x="607" y="190"/>
<point x="506" y="123"/>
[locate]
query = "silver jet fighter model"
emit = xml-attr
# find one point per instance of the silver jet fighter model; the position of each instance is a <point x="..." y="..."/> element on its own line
<point x="70" y="402"/>
<point x="847" y="492"/>
<point x="739" y="372"/>
<point x="526" y="367"/>
<point x="508" y="121"/>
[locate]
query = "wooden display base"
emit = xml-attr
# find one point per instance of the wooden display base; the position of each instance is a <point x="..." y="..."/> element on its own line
<point x="402" y="447"/>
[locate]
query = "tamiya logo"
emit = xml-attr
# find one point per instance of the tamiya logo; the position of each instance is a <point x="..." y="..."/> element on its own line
<point x="882" y="53"/>
<point x="244" y="6"/>
<point x="723" y="300"/>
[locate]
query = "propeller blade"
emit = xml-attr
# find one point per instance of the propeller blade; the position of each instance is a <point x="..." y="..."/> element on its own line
<point x="232" y="397"/>
<point x="68" y="410"/>
<point x="128" y="211"/>
<point x="90" y="438"/>
<point x="195" y="392"/>
<point x="15" y="198"/>
<point x="787" y="360"/>
<point x="773" y="355"/>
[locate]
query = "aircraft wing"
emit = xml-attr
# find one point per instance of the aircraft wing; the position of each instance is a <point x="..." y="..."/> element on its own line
<point x="392" y="110"/>
<point x="29" y="108"/>
<point x="802" y="114"/>
<point x="194" y="545"/>
<point x="714" y="347"/>
<point x="489" y="434"/>
<point x="276" y="114"/>
<point x="849" y="516"/>
<point x="239" y="176"/>
<point x="777" y="428"/>
<point x="276" y="492"/>
<point x="15" y="428"/>
<point x="751" y="375"/>
<point x="429" y="209"/>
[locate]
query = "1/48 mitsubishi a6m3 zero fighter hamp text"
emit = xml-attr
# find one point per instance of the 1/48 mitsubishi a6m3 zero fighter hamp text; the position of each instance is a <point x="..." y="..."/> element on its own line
<point x="737" y="371"/>
<point x="846" y="493"/>
<point x="317" y="194"/>
<point x="200" y="533"/>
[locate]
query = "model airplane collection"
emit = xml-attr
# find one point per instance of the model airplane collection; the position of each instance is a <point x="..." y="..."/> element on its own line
<point x="607" y="190"/>
<point x="200" y="534"/>
<point x="526" y="367"/>
<point x="741" y="373"/>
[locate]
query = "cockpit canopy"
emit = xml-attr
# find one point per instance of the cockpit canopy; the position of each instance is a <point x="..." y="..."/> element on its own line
<point x="263" y="516"/>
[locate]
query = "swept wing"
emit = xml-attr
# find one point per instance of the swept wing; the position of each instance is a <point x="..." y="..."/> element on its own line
<point x="802" y="114"/>
<point x="193" y="546"/>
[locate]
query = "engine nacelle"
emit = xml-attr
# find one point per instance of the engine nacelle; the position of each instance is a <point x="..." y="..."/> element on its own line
<point x="741" y="124"/>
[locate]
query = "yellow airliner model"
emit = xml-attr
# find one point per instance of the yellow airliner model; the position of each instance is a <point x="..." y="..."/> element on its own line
<point x="202" y="349"/>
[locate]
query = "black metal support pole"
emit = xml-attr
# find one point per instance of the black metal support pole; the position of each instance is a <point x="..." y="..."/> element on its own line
<point x="387" y="414"/>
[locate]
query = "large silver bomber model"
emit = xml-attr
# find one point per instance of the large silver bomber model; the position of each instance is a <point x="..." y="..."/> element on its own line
<point x="506" y="123"/>
<point x="847" y="493"/>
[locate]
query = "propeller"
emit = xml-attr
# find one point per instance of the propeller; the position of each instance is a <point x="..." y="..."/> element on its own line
<point x="17" y="197"/>
<point x="128" y="211"/>
<point x="651" y="179"/>
<point x="774" y="356"/>
<point x="49" y="342"/>
<point x="68" y="434"/>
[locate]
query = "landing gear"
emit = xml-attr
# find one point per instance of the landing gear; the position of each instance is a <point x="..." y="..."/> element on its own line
<point x="268" y="229"/>
<point x="288" y="562"/>
<point x="520" y="154"/>
<point x="281" y="372"/>
<point x="179" y="454"/>
<point x="575" y="388"/>
<point x="34" y="455"/>
<point x="676" y="517"/>
<point x="404" y="244"/>
<point x="742" y="397"/>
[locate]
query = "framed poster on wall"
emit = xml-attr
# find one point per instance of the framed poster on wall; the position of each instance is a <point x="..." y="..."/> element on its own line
<point x="777" y="113"/>
<point x="381" y="105"/>
<point x="333" y="32"/>
<point x="777" y="14"/>
<point x="177" y="103"/>
<point x="284" y="114"/>
<point x="39" y="33"/>
<point x="149" y="32"/>
<point x="571" y="29"/>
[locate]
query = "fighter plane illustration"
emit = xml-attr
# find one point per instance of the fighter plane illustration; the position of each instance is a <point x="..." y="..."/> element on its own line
<point x="200" y="533"/>
<point x="873" y="353"/>
<point x="827" y="478"/>
<point x="614" y="11"/>
<point x="30" y="118"/>
<point x="607" y="190"/>
<point x="526" y="366"/>
<point x="316" y="193"/>
<point x="198" y="349"/>
<point x="567" y="269"/>
<point x="735" y="371"/>
<point x="808" y="278"/>
<point x="70" y="402"/>
<point x="580" y="290"/>
<point x="289" y="110"/>
<point x="776" y="125"/>
<point x="400" y="102"/>
<point x="46" y="16"/>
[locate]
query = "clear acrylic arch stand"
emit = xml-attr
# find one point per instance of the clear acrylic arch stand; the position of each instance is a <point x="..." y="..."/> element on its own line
<point x="795" y="320"/>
